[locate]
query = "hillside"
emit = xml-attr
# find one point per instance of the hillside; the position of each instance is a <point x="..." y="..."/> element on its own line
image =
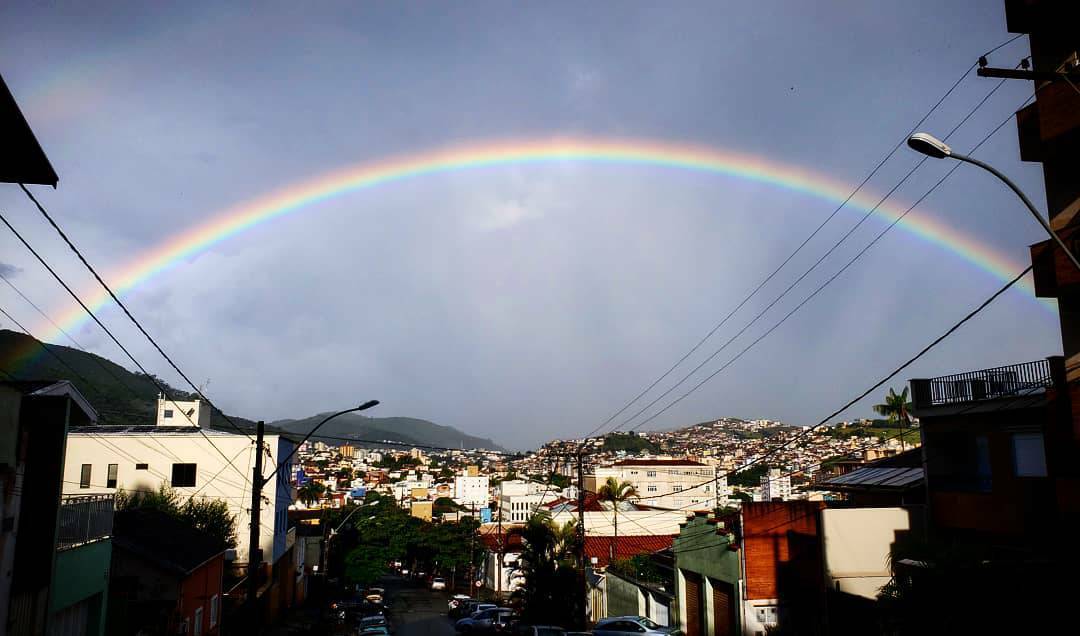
<point x="398" y="429"/>
<point x="123" y="397"/>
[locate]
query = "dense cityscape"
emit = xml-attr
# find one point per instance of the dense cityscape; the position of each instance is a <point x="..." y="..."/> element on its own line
<point x="567" y="200"/>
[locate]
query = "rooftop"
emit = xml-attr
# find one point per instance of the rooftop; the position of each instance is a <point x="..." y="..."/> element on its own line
<point x="625" y="546"/>
<point x="657" y="462"/>
<point x="876" y="478"/>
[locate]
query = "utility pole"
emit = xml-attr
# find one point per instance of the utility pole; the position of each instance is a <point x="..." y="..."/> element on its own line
<point x="499" y="543"/>
<point x="583" y="591"/>
<point x="254" y="555"/>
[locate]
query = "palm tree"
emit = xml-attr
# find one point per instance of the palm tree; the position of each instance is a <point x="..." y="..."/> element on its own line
<point x="897" y="409"/>
<point x="616" y="492"/>
<point x="310" y="492"/>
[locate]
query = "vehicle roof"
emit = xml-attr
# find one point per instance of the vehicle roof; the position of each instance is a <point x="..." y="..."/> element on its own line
<point x="620" y="618"/>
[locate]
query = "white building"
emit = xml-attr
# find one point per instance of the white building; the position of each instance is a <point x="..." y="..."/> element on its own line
<point x="472" y="490"/>
<point x="518" y="508"/>
<point x="195" y="462"/>
<point x="775" y="487"/>
<point x="675" y="484"/>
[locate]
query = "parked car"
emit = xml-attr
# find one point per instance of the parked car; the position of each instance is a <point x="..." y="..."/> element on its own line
<point x="456" y="601"/>
<point x="374" y="621"/>
<point x="538" y="630"/>
<point x="487" y="620"/>
<point x="374" y="631"/>
<point x="465" y="607"/>
<point x="619" y="625"/>
<point x="438" y="583"/>
<point x="481" y="607"/>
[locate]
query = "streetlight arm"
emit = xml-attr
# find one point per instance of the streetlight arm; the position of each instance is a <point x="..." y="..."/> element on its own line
<point x="363" y="407"/>
<point x="1023" y="197"/>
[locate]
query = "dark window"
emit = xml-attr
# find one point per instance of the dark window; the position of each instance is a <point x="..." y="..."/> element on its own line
<point x="167" y="414"/>
<point x="183" y="475"/>
<point x="84" y="476"/>
<point x="110" y="481"/>
<point x="142" y="466"/>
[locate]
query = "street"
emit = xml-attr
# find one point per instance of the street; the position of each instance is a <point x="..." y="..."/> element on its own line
<point x="416" y="610"/>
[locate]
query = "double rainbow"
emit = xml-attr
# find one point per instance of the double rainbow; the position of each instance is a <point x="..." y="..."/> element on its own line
<point x="307" y="194"/>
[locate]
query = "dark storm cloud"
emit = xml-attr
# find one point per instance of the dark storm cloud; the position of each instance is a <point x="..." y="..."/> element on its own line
<point x="519" y="302"/>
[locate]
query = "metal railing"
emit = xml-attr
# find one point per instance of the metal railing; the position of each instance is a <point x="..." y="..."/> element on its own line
<point x="84" y="519"/>
<point x="986" y="384"/>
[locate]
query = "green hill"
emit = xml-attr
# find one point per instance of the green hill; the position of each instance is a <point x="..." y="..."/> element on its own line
<point x="407" y="430"/>
<point x="123" y="397"/>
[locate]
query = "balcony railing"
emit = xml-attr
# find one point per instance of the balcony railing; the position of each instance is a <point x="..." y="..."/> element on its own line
<point x="84" y="519"/>
<point x="1022" y="379"/>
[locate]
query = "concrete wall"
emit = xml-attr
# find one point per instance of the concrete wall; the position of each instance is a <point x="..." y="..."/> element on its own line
<point x="857" y="544"/>
<point x="623" y="597"/>
<point x="82" y="574"/>
<point x="636" y="522"/>
<point x="214" y="478"/>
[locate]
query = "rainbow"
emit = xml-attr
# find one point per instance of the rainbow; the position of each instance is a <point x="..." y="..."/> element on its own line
<point x="239" y="218"/>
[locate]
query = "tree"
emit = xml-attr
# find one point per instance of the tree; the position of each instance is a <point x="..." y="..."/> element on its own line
<point x="550" y="593"/>
<point x="209" y="516"/>
<point x="310" y="492"/>
<point x="616" y="492"/>
<point x="897" y="409"/>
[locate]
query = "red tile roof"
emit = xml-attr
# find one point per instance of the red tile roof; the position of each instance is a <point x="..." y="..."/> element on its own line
<point x="625" y="547"/>
<point x="658" y="462"/>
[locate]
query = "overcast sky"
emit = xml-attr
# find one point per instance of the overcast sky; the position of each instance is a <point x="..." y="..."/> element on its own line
<point x="524" y="302"/>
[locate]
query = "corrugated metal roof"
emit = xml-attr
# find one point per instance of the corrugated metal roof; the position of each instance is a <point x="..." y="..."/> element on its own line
<point x="864" y="478"/>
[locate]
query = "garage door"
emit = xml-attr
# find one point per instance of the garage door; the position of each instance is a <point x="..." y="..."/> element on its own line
<point x="723" y="597"/>
<point x="694" y="624"/>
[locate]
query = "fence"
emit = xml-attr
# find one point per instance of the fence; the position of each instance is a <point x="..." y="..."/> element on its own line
<point x="83" y="519"/>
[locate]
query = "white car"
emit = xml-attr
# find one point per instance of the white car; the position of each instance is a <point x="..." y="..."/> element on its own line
<point x="438" y="583"/>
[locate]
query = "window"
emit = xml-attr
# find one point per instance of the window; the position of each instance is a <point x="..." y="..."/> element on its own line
<point x="651" y="473"/>
<point x="1029" y="457"/>
<point x="676" y="489"/>
<point x="214" y="602"/>
<point x="142" y="466"/>
<point x="110" y="481"/>
<point x="198" y="621"/>
<point x="706" y="488"/>
<point x="167" y="414"/>
<point x="84" y="476"/>
<point x="766" y="615"/>
<point x="183" y="475"/>
<point x="651" y="488"/>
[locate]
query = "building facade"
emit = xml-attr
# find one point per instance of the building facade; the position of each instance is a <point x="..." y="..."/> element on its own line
<point x="193" y="461"/>
<point x="665" y="483"/>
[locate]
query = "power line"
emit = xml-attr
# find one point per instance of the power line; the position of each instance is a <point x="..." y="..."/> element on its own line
<point x="97" y="320"/>
<point x="122" y="306"/>
<point x="820" y="288"/>
<point x="806" y="240"/>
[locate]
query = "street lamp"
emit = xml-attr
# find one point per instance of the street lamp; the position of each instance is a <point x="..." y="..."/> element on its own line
<point x="257" y="483"/>
<point x="363" y="407"/>
<point x="931" y="146"/>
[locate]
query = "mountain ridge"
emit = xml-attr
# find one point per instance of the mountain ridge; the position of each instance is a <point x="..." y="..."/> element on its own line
<point x="124" y="397"/>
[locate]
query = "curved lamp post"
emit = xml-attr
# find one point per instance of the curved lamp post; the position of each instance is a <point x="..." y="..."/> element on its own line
<point x="257" y="483"/>
<point x="363" y="407"/>
<point x="931" y="146"/>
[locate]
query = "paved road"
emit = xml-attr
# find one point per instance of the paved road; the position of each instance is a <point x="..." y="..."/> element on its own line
<point x="417" y="611"/>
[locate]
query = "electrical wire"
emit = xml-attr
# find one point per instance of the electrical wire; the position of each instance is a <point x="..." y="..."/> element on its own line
<point x="97" y="320"/>
<point x="806" y="240"/>
<point x="827" y="282"/>
<point x="123" y="307"/>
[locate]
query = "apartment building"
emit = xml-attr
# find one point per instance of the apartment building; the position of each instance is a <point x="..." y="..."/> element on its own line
<point x="682" y="484"/>
<point x="472" y="490"/>
<point x="194" y="461"/>
<point x="775" y="486"/>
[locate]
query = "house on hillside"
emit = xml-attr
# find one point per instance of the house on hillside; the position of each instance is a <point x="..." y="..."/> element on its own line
<point x="166" y="577"/>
